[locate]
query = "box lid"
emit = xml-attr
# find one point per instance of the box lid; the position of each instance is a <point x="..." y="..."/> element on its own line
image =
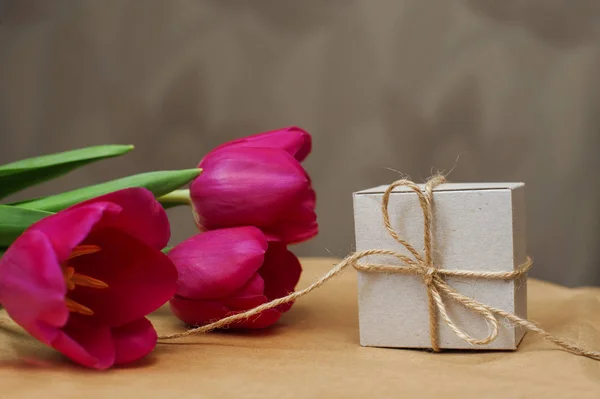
<point x="447" y="187"/>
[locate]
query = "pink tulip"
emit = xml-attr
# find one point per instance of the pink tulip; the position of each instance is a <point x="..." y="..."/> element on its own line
<point x="83" y="280"/>
<point x="227" y="271"/>
<point x="256" y="181"/>
<point x="293" y="140"/>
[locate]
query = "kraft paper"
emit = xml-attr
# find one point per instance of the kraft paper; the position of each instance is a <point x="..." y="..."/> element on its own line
<point x="314" y="351"/>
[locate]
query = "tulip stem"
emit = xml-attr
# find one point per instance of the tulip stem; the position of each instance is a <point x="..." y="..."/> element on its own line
<point x="174" y="198"/>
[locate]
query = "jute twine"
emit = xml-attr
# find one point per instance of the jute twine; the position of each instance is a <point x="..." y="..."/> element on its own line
<point x="433" y="278"/>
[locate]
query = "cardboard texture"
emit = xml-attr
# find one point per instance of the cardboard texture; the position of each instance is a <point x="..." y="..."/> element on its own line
<point x="477" y="226"/>
<point x="314" y="352"/>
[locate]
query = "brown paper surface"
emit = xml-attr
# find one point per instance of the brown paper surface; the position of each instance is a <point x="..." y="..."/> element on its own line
<point x="314" y="352"/>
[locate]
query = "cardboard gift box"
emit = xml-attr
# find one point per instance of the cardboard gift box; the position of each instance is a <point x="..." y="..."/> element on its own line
<point x="476" y="227"/>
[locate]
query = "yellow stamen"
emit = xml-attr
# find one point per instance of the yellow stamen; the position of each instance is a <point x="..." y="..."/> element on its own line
<point x="78" y="308"/>
<point x="68" y="273"/>
<point x="73" y="279"/>
<point x="87" y="281"/>
<point x="83" y="250"/>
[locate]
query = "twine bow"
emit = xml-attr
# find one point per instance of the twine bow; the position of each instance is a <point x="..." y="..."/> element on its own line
<point x="421" y="265"/>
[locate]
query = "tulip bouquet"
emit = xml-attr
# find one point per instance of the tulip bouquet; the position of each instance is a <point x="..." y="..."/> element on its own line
<point x="81" y="270"/>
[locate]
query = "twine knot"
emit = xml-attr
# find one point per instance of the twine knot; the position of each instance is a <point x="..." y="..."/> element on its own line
<point x="429" y="274"/>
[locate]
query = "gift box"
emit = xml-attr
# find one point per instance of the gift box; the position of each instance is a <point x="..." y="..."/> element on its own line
<point x="476" y="227"/>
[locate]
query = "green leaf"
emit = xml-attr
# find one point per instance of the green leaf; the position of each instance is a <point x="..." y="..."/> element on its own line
<point x="159" y="183"/>
<point x="175" y="198"/>
<point x="15" y="220"/>
<point x="19" y="175"/>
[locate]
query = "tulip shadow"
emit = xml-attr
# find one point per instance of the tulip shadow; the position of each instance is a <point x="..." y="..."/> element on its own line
<point x="226" y="334"/>
<point x="20" y="351"/>
<point x="26" y="353"/>
<point x="240" y="338"/>
<point x="266" y="332"/>
<point x="148" y="361"/>
<point x="26" y="358"/>
<point x="7" y="330"/>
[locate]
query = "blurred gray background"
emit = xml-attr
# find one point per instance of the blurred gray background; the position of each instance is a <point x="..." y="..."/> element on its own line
<point x="512" y="86"/>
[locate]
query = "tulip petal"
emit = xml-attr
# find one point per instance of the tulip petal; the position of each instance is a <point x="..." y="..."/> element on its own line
<point x="133" y="340"/>
<point x="86" y="344"/>
<point x="204" y="311"/>
<point x="297" y="225"/>
<point x="140" y="278"/>
<point x="263" y="320"/>
<point x="293" y="140"/>
<point x="216" y="263"/>
<point x="141" y="216"/>
<point x="69" y="228"/>
<point x="32" y="288"/>
<point x="196" y="312"/>
<point x="281" y="272"/>
<point x="248" y="187"/>
<point x="255" y="286"/>
<point x="241" y="304"/>
<point x="245" y="303"/>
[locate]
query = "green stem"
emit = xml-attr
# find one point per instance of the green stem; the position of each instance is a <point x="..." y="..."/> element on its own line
<point x="177" y="197"/>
